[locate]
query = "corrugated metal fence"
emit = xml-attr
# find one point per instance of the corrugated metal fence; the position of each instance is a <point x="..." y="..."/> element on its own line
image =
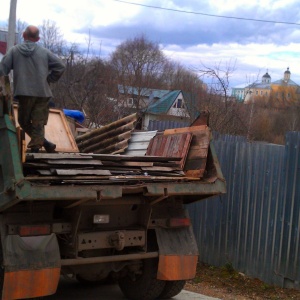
<point x="256" y="225"/>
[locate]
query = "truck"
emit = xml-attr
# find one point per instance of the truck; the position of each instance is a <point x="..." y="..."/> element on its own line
<point x="97" y="211"/>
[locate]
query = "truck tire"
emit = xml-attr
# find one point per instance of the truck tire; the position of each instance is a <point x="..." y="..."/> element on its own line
<point x="144" y="286"/>
<point x="172" y="288"/>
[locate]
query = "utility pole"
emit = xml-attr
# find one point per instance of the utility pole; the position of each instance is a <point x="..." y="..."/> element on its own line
<point x="11" y="37"/>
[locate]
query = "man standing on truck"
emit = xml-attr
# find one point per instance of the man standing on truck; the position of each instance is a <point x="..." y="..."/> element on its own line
<point x="34" y="68"/>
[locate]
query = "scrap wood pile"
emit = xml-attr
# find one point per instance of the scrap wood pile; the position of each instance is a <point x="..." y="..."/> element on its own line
<point x="110" y="139"/>
<point x="87" y="168"/>
<point x="176" y="154"/>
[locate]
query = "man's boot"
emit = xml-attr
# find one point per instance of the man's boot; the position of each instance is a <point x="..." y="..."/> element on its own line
<point x="34" y="150"/>
<point x="49" y="147"/>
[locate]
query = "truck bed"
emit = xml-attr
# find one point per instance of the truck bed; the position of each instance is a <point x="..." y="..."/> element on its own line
<point x="177" y="162"/>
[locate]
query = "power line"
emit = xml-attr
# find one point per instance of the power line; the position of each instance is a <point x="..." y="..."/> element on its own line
<point x="208" y="15"/>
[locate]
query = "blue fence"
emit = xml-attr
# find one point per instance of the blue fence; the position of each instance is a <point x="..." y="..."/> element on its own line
<point x="256" y="225"/>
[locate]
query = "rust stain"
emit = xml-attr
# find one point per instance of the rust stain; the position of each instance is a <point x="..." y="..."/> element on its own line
<point x="175" y="267"/>
<point x="30" y="283"/>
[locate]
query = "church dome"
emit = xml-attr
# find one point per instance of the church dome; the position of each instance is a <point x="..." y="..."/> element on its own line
<point x="266" y="78"/>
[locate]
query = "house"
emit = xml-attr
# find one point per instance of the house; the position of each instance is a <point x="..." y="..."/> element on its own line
<point x="160" y="105"/>
<point x="3" y="41"/>
<point x="176" y="106"/>
<point x="3" y="44"/>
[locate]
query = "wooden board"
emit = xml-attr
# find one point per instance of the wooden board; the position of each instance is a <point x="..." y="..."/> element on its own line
<point x="197" y="155"/>
<point x="57" y="131"/>
<point x="82" y="172"/>
<point x="185" y="129"/>
<point x="176" y="145"/>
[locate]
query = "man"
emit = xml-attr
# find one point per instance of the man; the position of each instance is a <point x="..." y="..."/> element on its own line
<point x="34" y="68"/>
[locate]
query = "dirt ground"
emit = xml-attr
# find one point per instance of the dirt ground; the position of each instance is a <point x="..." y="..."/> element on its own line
<point x="225" y="283"/>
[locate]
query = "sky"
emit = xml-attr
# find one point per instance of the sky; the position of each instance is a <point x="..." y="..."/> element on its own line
<point x="248" y="37"/>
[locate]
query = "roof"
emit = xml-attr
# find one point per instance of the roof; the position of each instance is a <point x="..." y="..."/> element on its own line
<point x="283" y="82"/>
<point x="160" y="101"/>
<point x="261" y="85"/>
<point x="146" y="92"/>
<point x="162" y="105"/>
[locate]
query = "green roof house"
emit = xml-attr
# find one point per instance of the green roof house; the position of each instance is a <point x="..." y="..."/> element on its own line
<point x="175" y="105"/>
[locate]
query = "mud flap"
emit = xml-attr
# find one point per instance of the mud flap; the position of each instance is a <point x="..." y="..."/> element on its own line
<point x="178" y="253"/>
<point x="31" y="265"/>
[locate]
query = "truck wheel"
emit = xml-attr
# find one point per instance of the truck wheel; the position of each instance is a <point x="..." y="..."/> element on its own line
<point x="143" y="286"/>
<point x="172" y="288"/>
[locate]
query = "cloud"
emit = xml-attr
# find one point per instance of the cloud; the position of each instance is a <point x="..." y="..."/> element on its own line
<point x="190" y="38"/>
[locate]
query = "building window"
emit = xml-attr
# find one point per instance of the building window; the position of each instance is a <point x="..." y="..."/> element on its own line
<point x="288" y="95"/>
<point x="178" y="104"/>
<point x="130" y="101"/>
<point x="256" y="93"/>
<point x="261" y="93"/>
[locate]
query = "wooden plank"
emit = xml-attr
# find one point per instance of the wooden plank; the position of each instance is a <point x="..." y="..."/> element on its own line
<point x="45" y="172"/>
<point x="197" y="156"/>
<point x="176" y="145"/>
<point x="112" y="157"/>
<point x="61" y="178"/>
<point x="185" y="129"/>
<point x="147" y="178"/>
<point x="33" y="156"/>
<point x="57" y="131"/>
<point x="82" y="172"/>
<point x="171" y="174"/>
<point x="93" y="162"/>
<point x="137" y="163"/>
<point x="163" y="169"/>
<point x="36" y="165"/>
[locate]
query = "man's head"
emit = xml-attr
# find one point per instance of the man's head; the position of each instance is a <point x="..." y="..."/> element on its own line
<point x="31" y="33"/>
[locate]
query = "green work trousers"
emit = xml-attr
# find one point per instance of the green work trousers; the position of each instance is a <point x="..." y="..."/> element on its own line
<point x="33" y="115"/>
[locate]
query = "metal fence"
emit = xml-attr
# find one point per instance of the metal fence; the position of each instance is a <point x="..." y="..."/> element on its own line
<point x="161" y="125"/>
<point x="256" y="225"/>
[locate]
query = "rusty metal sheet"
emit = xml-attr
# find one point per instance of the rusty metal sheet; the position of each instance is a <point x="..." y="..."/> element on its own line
<point x="176" y="145"/>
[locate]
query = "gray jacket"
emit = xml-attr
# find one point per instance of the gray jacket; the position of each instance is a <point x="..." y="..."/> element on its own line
<point x="34" y="68"/>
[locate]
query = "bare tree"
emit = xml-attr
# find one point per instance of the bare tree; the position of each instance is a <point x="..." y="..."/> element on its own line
<point x="21" y="25"/>
<point x="138" y="63"/>
<point x="226" y="116"/>
<point x="51" y="37"/>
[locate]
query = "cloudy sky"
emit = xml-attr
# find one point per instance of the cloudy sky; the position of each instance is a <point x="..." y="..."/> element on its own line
<point x="251" y="36"/>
